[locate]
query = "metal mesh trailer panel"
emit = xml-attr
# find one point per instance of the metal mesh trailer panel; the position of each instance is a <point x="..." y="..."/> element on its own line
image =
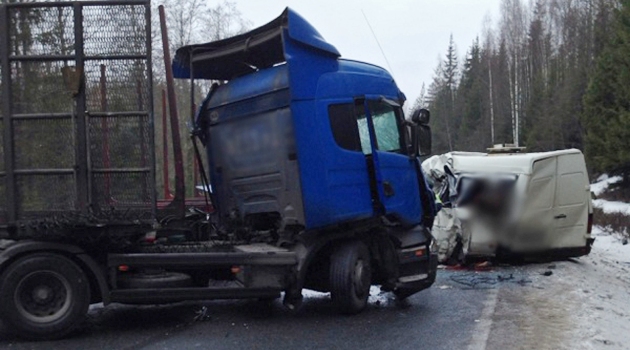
<point x="76" y="113"/>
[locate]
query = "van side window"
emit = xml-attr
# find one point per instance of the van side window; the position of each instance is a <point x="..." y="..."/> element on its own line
<point x="344" y="126"/>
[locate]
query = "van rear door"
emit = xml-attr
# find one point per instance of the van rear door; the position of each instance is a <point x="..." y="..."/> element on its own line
<point x="571" y="204"/>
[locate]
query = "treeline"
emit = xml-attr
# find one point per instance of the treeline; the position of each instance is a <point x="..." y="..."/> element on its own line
<point x="188" y="22"/>
<point x="524" y="80"/>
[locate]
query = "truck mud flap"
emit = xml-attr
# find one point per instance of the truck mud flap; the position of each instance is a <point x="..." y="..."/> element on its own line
<point x="416" y="273"/>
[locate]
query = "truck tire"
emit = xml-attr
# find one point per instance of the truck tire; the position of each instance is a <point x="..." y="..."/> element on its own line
<point x="43" y="296"/>
<point x="350" y="277"/>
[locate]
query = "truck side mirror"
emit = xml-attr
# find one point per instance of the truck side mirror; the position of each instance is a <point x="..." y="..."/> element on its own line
<point x="423" y="133"/>
<point x="420" y="133"/>
<point x="421" y="116"/>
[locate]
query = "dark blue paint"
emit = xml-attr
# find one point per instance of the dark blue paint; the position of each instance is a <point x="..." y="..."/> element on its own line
<point x="334" y="182"/>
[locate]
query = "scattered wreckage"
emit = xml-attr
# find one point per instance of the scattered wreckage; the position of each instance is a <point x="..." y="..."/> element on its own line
<point x="511" y="204"/>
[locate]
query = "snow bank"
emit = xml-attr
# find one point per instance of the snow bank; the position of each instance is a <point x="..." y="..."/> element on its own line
<point x="610" y="207"/>
<point x="602" y="183"/>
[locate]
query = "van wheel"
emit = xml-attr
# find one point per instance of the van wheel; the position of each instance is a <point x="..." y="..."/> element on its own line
<point x="350" y="277"/>
<point x="43" y="296"/>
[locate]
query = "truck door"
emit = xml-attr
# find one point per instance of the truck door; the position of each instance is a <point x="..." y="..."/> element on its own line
<point x="384" y="140"/>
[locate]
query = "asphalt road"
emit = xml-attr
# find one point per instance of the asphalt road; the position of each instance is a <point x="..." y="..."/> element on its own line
<point x="446" y="316"/>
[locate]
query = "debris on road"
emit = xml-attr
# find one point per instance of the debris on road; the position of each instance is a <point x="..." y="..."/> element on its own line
<point x="201" y="315"/>
<point x="476" y="280"/>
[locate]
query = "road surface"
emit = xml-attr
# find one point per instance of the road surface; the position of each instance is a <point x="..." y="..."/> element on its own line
<point x="463" y="310"/>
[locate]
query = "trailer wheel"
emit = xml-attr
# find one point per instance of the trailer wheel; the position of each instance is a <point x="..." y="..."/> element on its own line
<point x="43" y="296"/>
<point x="350" y="277"/>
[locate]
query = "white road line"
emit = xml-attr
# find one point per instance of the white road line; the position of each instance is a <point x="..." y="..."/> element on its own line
<point x="481" y="332"/>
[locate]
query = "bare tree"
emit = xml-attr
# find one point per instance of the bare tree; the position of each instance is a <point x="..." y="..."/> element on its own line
<point x="513" y="29"/>
<point x="189" y="22"/>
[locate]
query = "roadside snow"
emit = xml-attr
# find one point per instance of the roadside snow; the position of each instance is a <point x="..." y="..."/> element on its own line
<point x="602" y="183"/>
<point x="595" y="288"/>
<point x="612" y="245"/>
<point x="377" y="297"/>
<point x="610" y="207"/>
<point x="579" y="303"/>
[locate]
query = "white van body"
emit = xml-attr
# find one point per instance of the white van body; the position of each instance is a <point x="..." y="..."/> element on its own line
<point x="546" y="210"/>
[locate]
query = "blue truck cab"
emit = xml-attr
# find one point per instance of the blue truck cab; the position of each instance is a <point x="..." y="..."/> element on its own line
<point x="315" y="148"/>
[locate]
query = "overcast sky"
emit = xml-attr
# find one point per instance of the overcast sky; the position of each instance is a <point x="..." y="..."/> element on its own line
<point x="413" y="33"/>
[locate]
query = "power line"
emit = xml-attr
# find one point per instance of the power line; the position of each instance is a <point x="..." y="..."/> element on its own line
<point x="378" y="43"/>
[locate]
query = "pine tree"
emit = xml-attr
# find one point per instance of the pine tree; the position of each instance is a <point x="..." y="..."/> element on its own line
<point x="606" y="116"/>
<point x="471" y="130"/>
<point x="421" y="100"/>
<point x="449" y="75"/>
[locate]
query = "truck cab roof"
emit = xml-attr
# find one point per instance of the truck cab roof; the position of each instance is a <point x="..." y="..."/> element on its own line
<point x="249" y="52"/>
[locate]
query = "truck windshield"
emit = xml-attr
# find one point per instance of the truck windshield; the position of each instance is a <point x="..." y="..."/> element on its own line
<point x="385" y="127"/>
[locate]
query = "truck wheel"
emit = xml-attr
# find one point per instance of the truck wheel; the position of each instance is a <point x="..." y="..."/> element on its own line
<point x="43" y="296"/>
<point x="350" y="277"/>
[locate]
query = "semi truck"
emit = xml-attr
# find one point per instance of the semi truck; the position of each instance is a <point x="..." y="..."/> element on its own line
<point x="313" y="172"/>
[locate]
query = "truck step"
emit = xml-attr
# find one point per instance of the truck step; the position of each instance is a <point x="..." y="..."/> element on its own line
<point x="171" y="295"/>
<point x="185" y="260"/>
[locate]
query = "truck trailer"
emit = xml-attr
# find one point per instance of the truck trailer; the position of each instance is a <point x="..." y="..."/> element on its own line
<point x="313" y="172"/>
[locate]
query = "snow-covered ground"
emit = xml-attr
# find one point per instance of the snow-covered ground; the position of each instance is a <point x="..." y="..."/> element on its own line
<point x="609" y="207"/>
<point x="602" y="183"/>
<point x="596" y="288"/>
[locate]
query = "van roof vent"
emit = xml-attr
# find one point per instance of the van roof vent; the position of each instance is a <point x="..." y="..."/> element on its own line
<point x="505" y="148"/>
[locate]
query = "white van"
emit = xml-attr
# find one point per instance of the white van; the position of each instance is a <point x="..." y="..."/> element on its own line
<point x="523" y="203"/>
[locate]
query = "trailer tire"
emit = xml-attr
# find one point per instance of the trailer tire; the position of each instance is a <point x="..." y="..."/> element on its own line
<point x="350" y="277"/>
<point x="44" y="296"/>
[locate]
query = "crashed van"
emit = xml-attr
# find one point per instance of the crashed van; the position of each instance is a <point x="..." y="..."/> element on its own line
<point x="511" y="204"/>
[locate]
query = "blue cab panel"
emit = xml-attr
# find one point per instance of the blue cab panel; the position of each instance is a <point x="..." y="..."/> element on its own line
<point x="300" y="134"/>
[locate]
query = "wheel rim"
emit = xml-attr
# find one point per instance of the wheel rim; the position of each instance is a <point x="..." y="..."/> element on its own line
<point x="360" y="278"/>
<point x="43" y="296"/>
